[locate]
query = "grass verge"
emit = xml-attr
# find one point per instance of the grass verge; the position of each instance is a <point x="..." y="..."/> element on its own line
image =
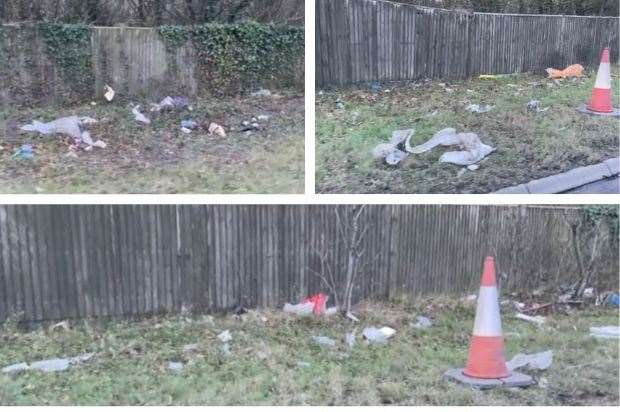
<point x="160" y="158"/>
<point x="274" y="361"/>
<point x="530" y="145"/>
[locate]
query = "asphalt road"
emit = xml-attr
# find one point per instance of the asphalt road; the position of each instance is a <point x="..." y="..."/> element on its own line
<point x="604" y="186"/>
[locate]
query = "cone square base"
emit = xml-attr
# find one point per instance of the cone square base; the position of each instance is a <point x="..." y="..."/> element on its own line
<point x="584" y="109"/>
<point x="515" y="380"/>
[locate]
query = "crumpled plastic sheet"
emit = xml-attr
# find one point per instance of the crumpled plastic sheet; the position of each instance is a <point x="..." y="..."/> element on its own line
<point x="605" y="332"/>
<point x="301" y="309"/>
<point x="49" y="365"/>
<point x="540" y="361"/>
<point x="474" y="150"/>
<point x="70" y="126"/>
<point x="378" y="335"/>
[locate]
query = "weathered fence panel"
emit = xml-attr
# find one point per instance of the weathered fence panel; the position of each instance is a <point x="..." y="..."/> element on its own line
<point x="79" y="261"/>
<point x="368" y="40"/>
<point x="135" y="61"/>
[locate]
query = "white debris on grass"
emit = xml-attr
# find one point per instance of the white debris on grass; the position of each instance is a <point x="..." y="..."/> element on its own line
<point x="538" y="320"/>
<point x="192" y="347"/>
<point x="477" y="108"/>
<point x="422" y="323"/>
<point x="324" y="341"/>
<point x="216" y="129"/>
<point x="49" y="365"/>
<point x="69" y="126"/>
<point x="139" y="117"/>
<point x="300" y="309"/>
<point x="349" y="339"/>
<point x="540" y="361"/>
<point x="474" y="150"/>
<point x="109" y="93"/>
<point x="225" y="336"/>
<point x="175" y="367"/>
<point x="534" y="106"/>
<point x="378" y="335"/>
<point x="262" y="93"/>
<point x="605" y="332"/>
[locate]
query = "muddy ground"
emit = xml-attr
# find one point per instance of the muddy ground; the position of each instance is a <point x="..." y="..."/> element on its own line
<point x="160" y="158"/>
<point x="530" y="145"/>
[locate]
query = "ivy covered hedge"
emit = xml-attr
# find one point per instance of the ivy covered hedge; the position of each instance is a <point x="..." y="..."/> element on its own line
<point x="231" y="58"/>
<point x="240" y="56"/>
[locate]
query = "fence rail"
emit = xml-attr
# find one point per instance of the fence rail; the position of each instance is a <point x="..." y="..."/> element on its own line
<point x="368" y="40"/>
<point x="77" y="261"/>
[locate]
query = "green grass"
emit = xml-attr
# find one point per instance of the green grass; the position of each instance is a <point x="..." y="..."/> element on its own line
<point x="130" y="365"/>
<point x="529" y="145"/>
<point x="160" y="158"/>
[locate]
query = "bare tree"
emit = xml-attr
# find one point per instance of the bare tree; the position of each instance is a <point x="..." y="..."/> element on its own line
<point x="351" y="229"/>
<point x="589" y="231"/>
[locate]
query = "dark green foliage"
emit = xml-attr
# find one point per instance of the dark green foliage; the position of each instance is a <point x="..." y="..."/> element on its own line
<point x="234" y="57"/>
<point x="69" y="47"/>
<point x="609" y="213"/>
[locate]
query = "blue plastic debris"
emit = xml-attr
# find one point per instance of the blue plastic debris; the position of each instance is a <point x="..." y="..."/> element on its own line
<point x="614" y="300"/>
<point x="26" y="152"/>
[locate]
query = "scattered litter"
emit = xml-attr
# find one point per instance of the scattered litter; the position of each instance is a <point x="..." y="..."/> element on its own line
<point x="543" y="382"/>
<point x="476" y="108"/>
<point x="225" y="336"/>
<point x="226" y="350"/>
<point x="614" y="300"/>
<point x="395" y="157"/>
<point x="185" y="130"/>
<point x="262" y="93"/>
<point x="588" y="293"/>
<point x="488" y="77"/>
<point x="109" y="93"/>
<point x="352" y="317"/>
<point x="375" y="87"/>
<point x="25" y="152"/>
<point x="318" y="301"/>
<point x="301" y="309"/>
<point x="540" y="361"/>
<point x="534" y="106"/>
<point x="339" y="104"/>
<point x="65" y="125"/>
<point x="139" y="117"/>
<point x="215" y="128"/>
<point x="422" y="323"/>
<point x="473" y="167"/>
<point x="331" y="311"/>
<point x="605" y="332"/>
<point x="192" y="347"/>
<point x="390" y="151"/>
<point x="264" y="118"/>
<point x="64" y="325"/>
<point x="470" y="298"/>
<point x="49" y="365"/>
<point x="100" y="144"/>
<point x="574" y="70"/>
<point x="538" y="320"/>
<point x="16" y="368"/>
<point x="349" y="339"/>
<point x="169" y="103"/>
<point x="324" y="341"/>
<point x="189" y="124"/>
<point x="88" y="120"/>
<point x="474" y="151"/>
<point x="374" y="335"/>
<point x="176" y="367"/>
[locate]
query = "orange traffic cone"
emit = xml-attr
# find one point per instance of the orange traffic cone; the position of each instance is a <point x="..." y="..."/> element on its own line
<point x="601" y="103"/>
<point x="486" y="352"/>
<point x="601" y="94"/>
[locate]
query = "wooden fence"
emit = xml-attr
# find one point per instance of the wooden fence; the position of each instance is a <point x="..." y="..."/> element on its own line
<point x="73" y="261"/>
<point x="372" y="40"/>
<point x="135" y="61"/>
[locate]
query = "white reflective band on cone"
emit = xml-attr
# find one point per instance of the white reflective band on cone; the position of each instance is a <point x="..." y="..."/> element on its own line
<point x="488" y="322"/>
<point x="603" y="78"/>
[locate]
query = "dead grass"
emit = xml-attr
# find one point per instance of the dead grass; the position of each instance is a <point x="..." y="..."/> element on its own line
<point x="160" y="158"/>
<point x="529" y="145"/>
<point x="275" y="362"/>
